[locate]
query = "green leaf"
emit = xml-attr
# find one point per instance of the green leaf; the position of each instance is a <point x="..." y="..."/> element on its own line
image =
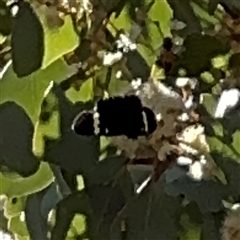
<point x="105" y="170"/>
<point x="212" y="6"/>
<point x="236" y="142"/>
<point x="122" y="21"/>
<point x="210" y="227"/>
<point x="115" y="86"/>
<point x="79" y="223"/>
<point x="175" y="173"/>
<point x="16" y="140"/>
<point x="50" y="199"/>
<point x="28" y="92"/>
<point x="137" y="65"/>
<point x="139" y="173"/>
<point x="233" y="3"/>
<point x="76" y="154"/>
<point x="200" y="9"/>
<point x="182" y="11"/>
<point x="23" y="186"/>
<point x="216" y="144"/>
<point x="207" y="194"/>
<point x="58" y="42"/>
<point x="19" y="237"/>
<point x="194" y="213"/>
<point x="126" y="183"/>
<point x="191" y="231"/>
<point x="77" y="202"/>
<point x="5" y="19"/>
<point x="85" y="93"/>
<point x="158" y="27"/>
<point x="207" y="77"/>
<point x="231" y="170"/>
<point x="209" y="103"/>
<point x="27" y="41"/>
<point x="162" y="13"/>
<point x="34" y="216"/>
<point x="17" y="226"/>
<point x="200" y="49"/>
<point x="14" y="206"/>
<point x="150" y="215"/>
<point x="106" y="201"/>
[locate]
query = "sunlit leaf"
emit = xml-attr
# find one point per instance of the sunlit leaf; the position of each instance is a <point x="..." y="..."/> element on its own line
<point x="23" y="186"/>
<point x="28" y="92"/>
<point x="18" y="226"/>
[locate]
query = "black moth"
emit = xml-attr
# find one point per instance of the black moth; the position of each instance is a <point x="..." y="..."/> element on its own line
<point x="116" y="116"/>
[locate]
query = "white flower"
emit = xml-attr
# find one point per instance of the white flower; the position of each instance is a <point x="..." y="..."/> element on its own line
<point x="5" y="236"/>
<point x="136" y="83"/>
<point x="86" y="5"/>
<point x="196" y="171"/>
<point x="235" y="206"/>
<point x="110" y="58"/>
<point x="184" y="81"/>
<point x="160" y="98"/>
<point x="200" y="167"/>
<point x="119" y="74"/>
<point x="189" y="103"/>
<point x="183" y="117"/>
<point x="125" y="43"/>
<point x="184" y="161"/>
<point x="228" y="100"/>
<point x="187" y="149"/>
<point x="167" y="105"/>
<point x="194" y="136"/>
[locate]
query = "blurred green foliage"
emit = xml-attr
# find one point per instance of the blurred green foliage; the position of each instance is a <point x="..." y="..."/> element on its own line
<point x="42" y="89"/>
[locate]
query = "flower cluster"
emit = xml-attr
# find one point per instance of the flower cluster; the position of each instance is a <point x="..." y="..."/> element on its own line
<point x="178" y="132"/>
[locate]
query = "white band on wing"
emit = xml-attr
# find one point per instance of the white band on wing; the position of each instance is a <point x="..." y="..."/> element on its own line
<point x="74" y="122"/>
<point x="96" y="122"/>
<point x="145" y="121"/>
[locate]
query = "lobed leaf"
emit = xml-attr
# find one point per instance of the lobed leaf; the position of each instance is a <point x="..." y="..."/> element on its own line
<point x="28" y="92"/>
